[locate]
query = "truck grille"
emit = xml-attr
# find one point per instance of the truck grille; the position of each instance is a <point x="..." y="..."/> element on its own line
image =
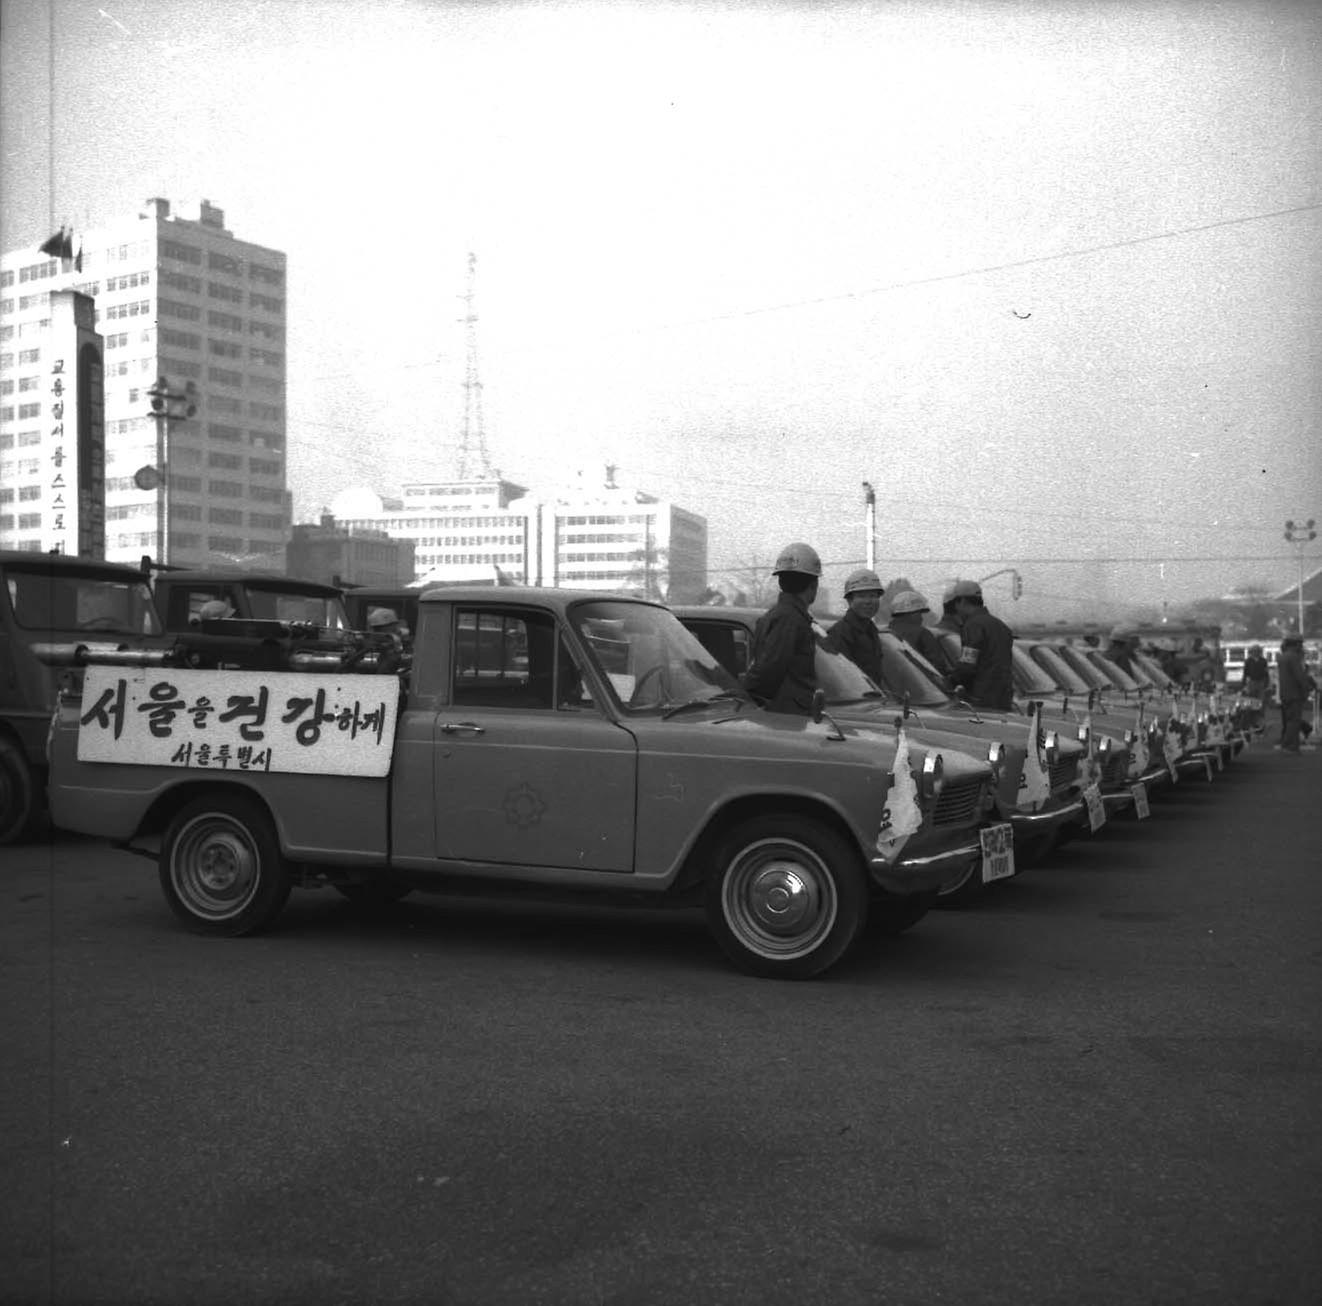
<point x="1064" y="772"/>
<point x="1115" y="769"/>
<point x="958" y="802"/>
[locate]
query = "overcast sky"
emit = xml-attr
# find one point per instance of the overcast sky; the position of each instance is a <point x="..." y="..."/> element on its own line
<point x="1046" y="274"/>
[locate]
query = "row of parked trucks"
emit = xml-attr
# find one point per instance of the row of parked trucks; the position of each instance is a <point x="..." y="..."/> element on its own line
<point x="553" y="742"/>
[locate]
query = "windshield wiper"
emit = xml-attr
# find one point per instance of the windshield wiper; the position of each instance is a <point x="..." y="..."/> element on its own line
<point x="703" y="702"/>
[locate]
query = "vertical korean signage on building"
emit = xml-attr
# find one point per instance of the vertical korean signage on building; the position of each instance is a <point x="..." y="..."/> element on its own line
<point x="74" y="450"/>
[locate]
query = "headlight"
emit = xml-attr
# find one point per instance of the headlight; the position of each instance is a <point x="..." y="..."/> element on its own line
<point x="1052" y="748"/>
<point x="933" y="776"/>
<point x="1085" y="736"/>
<point x="1105" y="744"/>
<point x="996" y="759"/>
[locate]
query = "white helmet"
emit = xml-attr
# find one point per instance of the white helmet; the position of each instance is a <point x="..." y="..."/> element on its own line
<point x="798" y="557"/>
<point x="862" y="581"/>
<point x="909" y="601"/>
<point x="963" y="589"/>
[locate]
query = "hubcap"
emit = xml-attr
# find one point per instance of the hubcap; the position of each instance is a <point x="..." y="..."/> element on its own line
<point x="215" y="867"/>
<point x="779" y="899"/>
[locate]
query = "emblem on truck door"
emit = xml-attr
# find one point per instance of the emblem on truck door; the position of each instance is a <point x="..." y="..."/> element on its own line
<point x="523" y="806"/>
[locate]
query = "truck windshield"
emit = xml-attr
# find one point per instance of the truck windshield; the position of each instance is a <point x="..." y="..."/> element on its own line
<point x="290" y="605"/>
<point x="1065" y="674"/>
<point x="843" y="681"/>
<point x="905" y="671"/>
<point x="47" y="600"/>
<point x="1029" y="678"/>
<point x="648" y="657"/>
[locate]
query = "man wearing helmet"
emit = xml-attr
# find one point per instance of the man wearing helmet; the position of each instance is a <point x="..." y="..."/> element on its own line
<point x="1123" y="646"/>
<point x="907" y="612"/>
<point x="986" y="648"/>
<point x="855" y="634"/>
<point x="780" y="671"/>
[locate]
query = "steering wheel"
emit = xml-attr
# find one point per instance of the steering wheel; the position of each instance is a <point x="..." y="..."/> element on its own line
<point x="657" y="673"/>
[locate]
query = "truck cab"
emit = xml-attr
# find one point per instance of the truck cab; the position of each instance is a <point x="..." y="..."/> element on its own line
<point x="50" y="598"/>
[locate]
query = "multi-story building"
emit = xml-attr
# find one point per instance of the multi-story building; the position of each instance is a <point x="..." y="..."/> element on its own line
<point x="608" y="538"/>
<point x="336" y="554"/>
<point x="180" y="298"/>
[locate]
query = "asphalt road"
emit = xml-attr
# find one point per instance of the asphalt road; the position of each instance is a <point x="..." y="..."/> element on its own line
<point x="1102" y="1085"/>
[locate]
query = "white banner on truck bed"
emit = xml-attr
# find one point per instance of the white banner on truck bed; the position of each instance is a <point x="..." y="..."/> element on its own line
<point x="239" y="720"/>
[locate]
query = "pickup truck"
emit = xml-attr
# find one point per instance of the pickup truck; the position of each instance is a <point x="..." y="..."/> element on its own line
<point x="54" y="598"/>
<point x="540" y="740"/>
<point x="1042" y="806"/>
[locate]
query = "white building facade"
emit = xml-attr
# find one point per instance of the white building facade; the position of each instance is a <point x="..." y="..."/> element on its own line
<point x="611" y="538"/>
<point x="178" y="297"/>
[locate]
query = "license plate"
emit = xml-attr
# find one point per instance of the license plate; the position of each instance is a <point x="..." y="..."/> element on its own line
<point x="997" y="852"/>
<point x="1092" y="796"/>
<point x="1141" y="808"/>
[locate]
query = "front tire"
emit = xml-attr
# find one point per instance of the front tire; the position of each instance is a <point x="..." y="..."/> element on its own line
<point x="18" y="793"/>
<point x="221" y="868"/>
<point x="787" y="898"/>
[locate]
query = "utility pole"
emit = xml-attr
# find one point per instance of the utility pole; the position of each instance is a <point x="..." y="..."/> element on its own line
<point x="1299" y="536"/>
<point x="870" y="523"/>
<point x="474" y="444"/>
<point x="166" y="406"/>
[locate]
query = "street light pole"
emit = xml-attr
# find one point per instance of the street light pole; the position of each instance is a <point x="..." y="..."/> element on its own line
<point x="167" y="406"/>
<point x="870" y="523"/>
<point x="1299" y="536"/>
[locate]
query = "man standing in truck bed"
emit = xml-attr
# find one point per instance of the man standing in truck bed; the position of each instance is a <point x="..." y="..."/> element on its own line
<point x="986" y="644"/>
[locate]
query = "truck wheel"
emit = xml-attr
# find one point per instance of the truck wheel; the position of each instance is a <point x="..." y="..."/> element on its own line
<point x="221" y="868"/>
<point x="787" y="897"/>
<point x="17" y="793"/>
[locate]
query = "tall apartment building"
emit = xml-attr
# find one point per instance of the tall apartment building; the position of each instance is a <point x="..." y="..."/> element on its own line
<point x="607" y="538"/>
<point x="178" y="297"/>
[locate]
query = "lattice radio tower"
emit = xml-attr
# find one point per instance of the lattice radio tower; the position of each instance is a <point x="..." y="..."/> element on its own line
<point x="474" y="446"/>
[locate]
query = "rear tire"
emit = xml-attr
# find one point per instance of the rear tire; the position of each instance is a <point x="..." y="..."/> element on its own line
<point x="787" y="897"/>
<point x="18" y="793"/>
<point x="221" y="868"/>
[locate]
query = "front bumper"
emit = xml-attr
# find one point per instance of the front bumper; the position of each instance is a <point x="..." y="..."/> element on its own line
<point x="1068" y="812"/>
<point x="925" y="872"/>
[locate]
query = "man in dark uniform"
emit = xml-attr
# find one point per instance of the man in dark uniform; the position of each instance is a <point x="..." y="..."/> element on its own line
<point x="855" y="634"/>
<point x="985" y="657"/>
<point x="1123" y="646"/>
<point x="780" y="674"/>
<point x="907" y="612"/>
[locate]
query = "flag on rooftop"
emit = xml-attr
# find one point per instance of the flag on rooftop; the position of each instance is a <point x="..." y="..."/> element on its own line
<point x="60" y="245"/>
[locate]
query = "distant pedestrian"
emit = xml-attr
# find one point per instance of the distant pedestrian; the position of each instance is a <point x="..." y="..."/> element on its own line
<point x="907" y="613"/>
<point x="1257" y="674"/>
<point x="985" y="666"/>
<point x="1295" y="686"/>
<point x="1122" y="647"/>
<point x="781" y="674"/>
<point x="855" y="634"/>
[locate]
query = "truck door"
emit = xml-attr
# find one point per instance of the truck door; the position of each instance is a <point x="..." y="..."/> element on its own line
<point x="529" y="772"/>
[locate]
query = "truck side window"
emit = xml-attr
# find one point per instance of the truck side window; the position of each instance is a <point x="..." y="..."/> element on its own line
<point x="504" y="659"/>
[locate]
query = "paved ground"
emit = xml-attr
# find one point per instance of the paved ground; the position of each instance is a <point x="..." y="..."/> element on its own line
<point x="1104" y="1085"/>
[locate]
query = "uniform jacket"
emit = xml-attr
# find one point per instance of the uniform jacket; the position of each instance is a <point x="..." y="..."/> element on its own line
<point x="926" y="643"/>
<point x="1256" y="670"/>
<point x="985" y="661"/>
<point x="780" y="671"/>
<point x="1296" y="684"/>
<point x="857" y="638"/>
